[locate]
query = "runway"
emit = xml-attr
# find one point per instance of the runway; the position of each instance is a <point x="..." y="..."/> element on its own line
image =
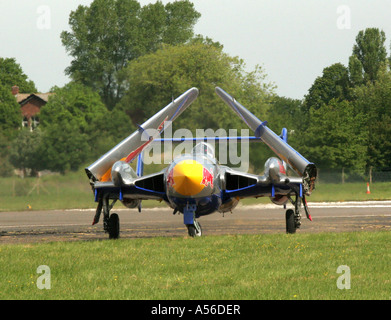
<point x="72" y="225"/>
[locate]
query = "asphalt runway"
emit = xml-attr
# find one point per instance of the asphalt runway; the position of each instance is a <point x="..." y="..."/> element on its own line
<point x="73" y="225"/>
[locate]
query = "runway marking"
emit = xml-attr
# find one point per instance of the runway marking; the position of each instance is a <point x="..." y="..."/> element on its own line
<point x="351" y="204"/>
<point x="122" y="209"/>
<point x="347" y="204"/>
<point x="320" y="205"/>
<point x="44" y="225"/>
<point x="356" y="216"/>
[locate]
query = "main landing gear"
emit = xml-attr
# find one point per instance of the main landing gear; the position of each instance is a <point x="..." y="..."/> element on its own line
<point x="110" y="221"/>
<point x="293" y="217"/>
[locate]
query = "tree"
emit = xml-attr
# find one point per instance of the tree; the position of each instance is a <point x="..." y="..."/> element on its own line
<point x="284" y="113"/>
<point x="370" y="51"/>
<point x="11" y="74"/>
<point x="6" y="169"/>
<point x="333" y="84"/>
<point x="64" y="147"/>
<point x="180" y="20"/>
<point x="155" y="79"/>
<point x="24" y="150"/>
<point x="356" y="99"/>
<point x="73" y="102"/>
<point x="356" y="73"/>
<point x="336" y="137"/>
<point x="77" y="128"/>
<point x="374" y="101"/>
<point x="10" y="116"/>
<point x="108" y="34"/>
<point x="10" y="121"/>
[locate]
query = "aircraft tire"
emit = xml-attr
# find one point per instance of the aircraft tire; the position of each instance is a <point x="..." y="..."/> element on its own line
<point x="114" y="226"/>
<point x="290" y="221"/>
<point x="191" y="229"/>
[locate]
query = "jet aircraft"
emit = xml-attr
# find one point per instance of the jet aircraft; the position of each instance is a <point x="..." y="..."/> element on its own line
<point x="196" y="184"/>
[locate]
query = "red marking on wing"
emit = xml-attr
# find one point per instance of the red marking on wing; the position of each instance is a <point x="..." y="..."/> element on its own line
<point x="136" y="152"/>
<point x="282" y="168"/>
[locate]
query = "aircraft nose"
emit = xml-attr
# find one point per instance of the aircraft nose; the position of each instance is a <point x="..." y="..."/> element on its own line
<point x="188" y="176"/>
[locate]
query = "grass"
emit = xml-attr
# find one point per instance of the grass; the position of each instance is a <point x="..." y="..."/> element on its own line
<point x="49" y="193"/>
<point x="73" y="191"/>
<point x="351" y="192"/>
<point x="251" y="267"/>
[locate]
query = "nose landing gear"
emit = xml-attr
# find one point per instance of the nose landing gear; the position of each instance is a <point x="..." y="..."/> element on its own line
<point x="189" y="219"/>
<point x="194" y="230"/>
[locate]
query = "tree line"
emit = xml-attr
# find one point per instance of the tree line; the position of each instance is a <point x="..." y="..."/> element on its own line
<point x="129" y="61"/>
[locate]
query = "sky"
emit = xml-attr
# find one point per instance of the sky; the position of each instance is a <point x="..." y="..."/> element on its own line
<point x="293" y="40"/>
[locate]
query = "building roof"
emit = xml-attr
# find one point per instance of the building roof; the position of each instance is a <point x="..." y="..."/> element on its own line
<point x="22" y="98"/>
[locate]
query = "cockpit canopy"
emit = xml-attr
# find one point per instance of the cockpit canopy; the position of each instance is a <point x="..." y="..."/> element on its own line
<point x="205" y="149"/>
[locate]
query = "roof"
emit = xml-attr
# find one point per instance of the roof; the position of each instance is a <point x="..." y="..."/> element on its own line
<point x="22" y="98"/>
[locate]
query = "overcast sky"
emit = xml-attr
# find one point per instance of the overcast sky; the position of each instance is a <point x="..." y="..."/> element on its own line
<point x="292" y="39"/>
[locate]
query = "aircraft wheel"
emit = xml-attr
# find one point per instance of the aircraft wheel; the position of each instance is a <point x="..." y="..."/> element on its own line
<point x="191" y="229"/>
<point x="290" y="221"/>
<point x="114" y="226"/>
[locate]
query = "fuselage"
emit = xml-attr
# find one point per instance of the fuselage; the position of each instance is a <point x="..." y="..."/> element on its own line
<point x="195" y="179"/>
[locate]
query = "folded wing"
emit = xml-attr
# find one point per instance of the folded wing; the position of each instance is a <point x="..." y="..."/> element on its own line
<point x="305" y="169"/>
<point x="130" y="148"/>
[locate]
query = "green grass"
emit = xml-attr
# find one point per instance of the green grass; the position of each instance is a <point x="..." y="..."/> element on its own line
<point x="71" y="191"/>
<point x="351" y="192"/>
<point x="301" y="266"/>
<point x="336" y="192"/>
